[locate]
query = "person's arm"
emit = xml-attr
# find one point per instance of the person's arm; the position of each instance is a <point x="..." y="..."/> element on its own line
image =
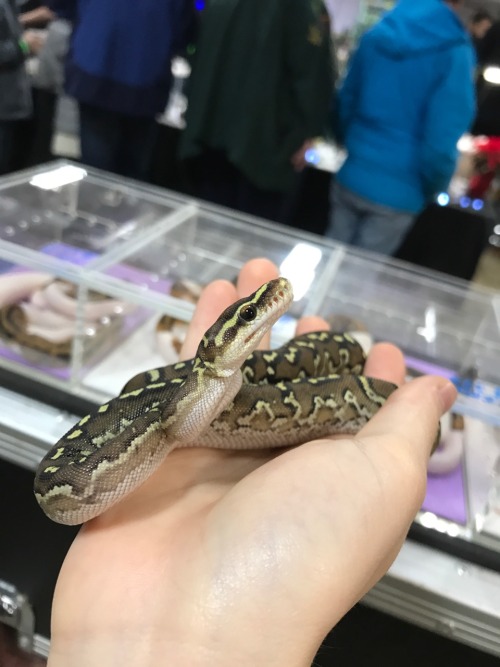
<point x="450" y="112"/>
<point x="248" y="558"/>
<point x="13" y="49"/>
<point x="12" y="52"/>
<point x="35" y="17"/>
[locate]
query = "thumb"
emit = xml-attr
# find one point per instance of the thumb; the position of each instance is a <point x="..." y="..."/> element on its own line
<point x="411" y="414"/>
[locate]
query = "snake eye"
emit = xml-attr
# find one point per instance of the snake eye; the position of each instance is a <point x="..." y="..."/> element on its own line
<point x="248" y="313"/>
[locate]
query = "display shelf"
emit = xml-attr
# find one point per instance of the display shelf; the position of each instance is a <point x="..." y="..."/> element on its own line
<point x="66" y="203"/>
<point x="162" y="248"/>
<point x="215" y="243"/>
<point x="442" y="593"/>
<point x="449" y="324"/>
<point x="58" y="222"/>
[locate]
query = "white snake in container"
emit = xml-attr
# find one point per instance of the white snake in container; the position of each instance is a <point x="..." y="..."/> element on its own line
<point x="228" y="396"/>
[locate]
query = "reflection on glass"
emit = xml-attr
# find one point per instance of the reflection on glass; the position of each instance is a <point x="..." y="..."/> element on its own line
<point x="299" y="266"/>
<point x="492" y="75"/>
<point x="56" y="178"/>
<point x="429" y="331"/>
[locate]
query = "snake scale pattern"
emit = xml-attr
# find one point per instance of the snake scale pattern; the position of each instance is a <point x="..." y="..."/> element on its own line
<point x="229" y="396"/>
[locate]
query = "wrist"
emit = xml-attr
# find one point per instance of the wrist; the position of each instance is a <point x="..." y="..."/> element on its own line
<point x="122" y="652"/>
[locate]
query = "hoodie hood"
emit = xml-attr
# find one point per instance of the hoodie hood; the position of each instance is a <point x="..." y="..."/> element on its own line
<point x="418" y="26"/>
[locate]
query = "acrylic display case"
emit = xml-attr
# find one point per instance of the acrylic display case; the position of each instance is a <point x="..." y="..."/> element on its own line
<point x="119" y="266"/>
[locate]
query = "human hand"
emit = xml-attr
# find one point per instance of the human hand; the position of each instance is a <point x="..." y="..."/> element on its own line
<point x="298" y="159"/>
<point x="248" y="557"/>
<point x="37" y="16"/>
<point x="35" y="39"/>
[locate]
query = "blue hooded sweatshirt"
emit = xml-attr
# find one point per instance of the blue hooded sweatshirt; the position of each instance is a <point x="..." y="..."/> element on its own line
<point x="120" y="52"/>
<point x="407" y="98"/>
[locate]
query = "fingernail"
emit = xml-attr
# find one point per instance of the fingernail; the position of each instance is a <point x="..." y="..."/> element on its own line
<point x="448" y="395"/>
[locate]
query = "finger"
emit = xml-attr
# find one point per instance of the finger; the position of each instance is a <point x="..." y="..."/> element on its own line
<point x="411" y="416"/>
<point x="255" y="273"/>
<point x="386" y="362"/>
<point x="215" y="298"/>
<point x="311" y="323"/>
<point x="220" y="294"/>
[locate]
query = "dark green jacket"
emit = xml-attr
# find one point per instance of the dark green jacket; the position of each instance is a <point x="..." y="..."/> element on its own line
<point x="261" y="84"/>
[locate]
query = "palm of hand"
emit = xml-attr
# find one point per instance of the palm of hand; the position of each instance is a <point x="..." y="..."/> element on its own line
<point x="220" y="546"/>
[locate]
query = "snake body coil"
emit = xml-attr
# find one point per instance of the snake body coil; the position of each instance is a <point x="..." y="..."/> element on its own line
<point x="228" y="396"/>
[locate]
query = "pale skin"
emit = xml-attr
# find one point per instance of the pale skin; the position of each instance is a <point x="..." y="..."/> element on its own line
<point x="36" y="16"/>
<point x="247" y="559"/>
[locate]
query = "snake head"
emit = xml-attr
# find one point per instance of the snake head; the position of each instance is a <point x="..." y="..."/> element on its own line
<point x="240" y="328"/>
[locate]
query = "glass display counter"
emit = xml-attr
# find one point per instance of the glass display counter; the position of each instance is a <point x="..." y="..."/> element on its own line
<point x="99" y="276"/>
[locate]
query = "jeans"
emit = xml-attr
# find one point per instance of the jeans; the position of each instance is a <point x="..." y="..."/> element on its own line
<point x="116" y="142"/>
<point x="359" y="222"/>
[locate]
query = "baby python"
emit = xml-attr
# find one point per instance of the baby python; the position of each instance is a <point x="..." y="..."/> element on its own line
<point x="228" y="396"/>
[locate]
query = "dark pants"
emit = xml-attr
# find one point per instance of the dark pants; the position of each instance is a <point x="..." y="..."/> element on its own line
<point x="222" y="183"/>
<point x="488" y="111"/>
<point x="117" y="142"/>
<point x="33" y="136"/>
<point x="7" y="134"/>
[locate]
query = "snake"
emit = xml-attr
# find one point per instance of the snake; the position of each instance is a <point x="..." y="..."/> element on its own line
<point x="229" y="395"/>
<point x="41" y="313"/>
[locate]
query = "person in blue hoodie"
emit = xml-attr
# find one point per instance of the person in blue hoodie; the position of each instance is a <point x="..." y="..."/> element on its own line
<point x="407" y="98"/>
<point x="119" y="70"/>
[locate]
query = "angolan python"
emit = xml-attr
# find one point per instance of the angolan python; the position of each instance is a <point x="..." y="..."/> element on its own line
<point x="228" y="396"/>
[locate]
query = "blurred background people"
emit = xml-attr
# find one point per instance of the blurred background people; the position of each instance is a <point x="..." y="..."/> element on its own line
<point x="46" y="71"/>
<point x="119" y="71"/>
<point x="34" y="16"/>
<point x="33" y="13"/>
<point x="407" y="98"/>
<point x="488" y="83"/>
<point x="260" y="88"/>
<point x="15" y="93"/>
<point x="479" y="24"/>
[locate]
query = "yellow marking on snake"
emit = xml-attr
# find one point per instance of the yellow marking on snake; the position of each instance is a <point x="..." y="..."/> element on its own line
<point x="158" y="385"/>
<point x="372" y="395"/>
<point x="291" y="400"/>
<point x="59" y="490"/>
<point x="125" y="455"/>
<point x="75" y="434"/>
<point x="52" y="469"/>
<point x="131" y="394"/>
<point x="84" y="420"/>
<point x="103" y="408"/>
<point x="60" y="451"/>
